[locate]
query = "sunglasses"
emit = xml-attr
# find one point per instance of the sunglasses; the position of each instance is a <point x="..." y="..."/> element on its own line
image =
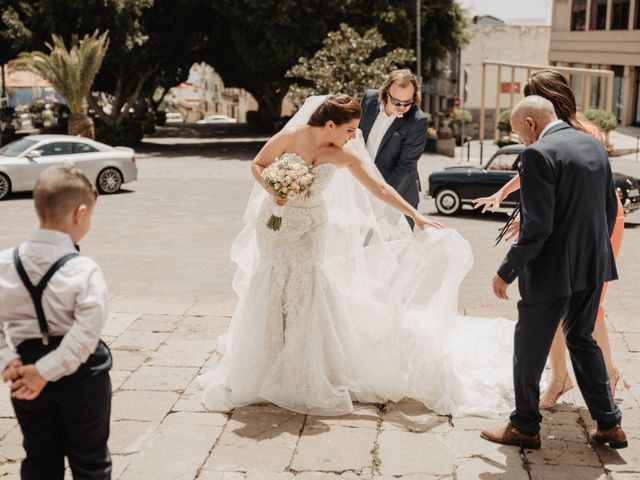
<point x="399" y="103"/>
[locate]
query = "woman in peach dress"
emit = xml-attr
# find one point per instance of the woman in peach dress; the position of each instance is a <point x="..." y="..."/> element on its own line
<point x="553" y="86"/>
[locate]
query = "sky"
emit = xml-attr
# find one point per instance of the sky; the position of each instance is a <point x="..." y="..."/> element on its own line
<point x="512" y="11"/>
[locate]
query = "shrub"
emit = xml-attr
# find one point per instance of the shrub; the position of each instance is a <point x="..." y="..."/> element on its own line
<point x="161" y="117"/>
<point x="504" y="121"/>
<point x="254" y="118"/>
<point x="458" y="114"/>
<point x="605" y="120"/>
<point x="128" y="134"/>
<point x="504" y="141"/>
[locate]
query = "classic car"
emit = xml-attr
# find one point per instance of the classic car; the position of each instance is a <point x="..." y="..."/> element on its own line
<point x="455" y="187"/>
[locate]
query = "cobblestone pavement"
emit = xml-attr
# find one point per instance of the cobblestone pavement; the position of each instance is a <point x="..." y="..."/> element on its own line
<point x="164" y="247"/>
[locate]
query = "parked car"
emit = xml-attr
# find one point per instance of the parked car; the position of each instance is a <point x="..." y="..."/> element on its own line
<point x="174" y="117"/>
<point x="21" y="161"/>
<point x="455" y="187"/>
<point x="217" y="119"/>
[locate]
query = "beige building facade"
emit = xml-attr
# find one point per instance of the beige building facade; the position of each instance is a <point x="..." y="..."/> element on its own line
<point x="505" y="43"/>
<point x="602" y="34"/>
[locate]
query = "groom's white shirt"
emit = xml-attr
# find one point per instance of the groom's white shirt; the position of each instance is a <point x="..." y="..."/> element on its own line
<point x="548" y="126"/>
<point x="379" y="128"/>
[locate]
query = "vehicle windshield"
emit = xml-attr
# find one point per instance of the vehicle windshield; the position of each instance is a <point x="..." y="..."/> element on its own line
<point x="18" y="147"/>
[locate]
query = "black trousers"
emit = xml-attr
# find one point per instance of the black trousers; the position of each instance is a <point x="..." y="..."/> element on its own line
<point x="534" y="332"/>
<point x="69" y="418"/>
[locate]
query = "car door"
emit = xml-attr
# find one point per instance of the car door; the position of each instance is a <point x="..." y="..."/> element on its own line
<point x="53" y="153"/>
<point x="87" y="159"/>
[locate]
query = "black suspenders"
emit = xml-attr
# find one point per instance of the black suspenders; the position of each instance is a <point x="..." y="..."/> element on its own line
<point x="36" y="290"/>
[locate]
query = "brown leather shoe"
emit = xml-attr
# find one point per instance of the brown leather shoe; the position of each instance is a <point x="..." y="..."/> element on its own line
<point x="615" y="437"/>
<point x="509" y="435"/>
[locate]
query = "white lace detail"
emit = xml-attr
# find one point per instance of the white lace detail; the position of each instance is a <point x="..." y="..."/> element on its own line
<point x="339" y="306"/>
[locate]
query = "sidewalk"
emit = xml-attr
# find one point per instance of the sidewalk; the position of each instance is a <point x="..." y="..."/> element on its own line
<point x="164" y="248"/>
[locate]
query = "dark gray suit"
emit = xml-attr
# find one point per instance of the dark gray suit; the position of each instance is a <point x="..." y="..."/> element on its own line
<point x="562" y="258"/>
<point x="400" y="149"/>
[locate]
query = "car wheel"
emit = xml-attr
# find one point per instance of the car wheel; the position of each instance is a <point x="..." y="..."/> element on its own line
<point x="5" y="186"/>
<point x="109" y="180"/>
<point x="448" y="201"/>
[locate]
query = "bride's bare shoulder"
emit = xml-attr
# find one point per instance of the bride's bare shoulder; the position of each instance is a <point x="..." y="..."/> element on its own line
<point x="342" y="157"/>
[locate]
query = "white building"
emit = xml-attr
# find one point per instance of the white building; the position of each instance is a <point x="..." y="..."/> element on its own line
<point x="205" y="94"/>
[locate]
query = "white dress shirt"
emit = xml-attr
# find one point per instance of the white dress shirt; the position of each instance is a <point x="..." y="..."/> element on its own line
<point x="379" y="128"/>
<point x="552" y="123"/>
<point x="74" y="302"/>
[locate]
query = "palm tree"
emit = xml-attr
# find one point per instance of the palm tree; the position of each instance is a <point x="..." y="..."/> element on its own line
<point x="71" y="73"/>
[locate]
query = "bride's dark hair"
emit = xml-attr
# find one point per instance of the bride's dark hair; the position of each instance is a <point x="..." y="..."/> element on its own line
<point x="338" y="108"/>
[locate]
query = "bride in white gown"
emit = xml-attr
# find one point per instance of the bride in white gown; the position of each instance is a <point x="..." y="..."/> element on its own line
<point x="343" y="304"/>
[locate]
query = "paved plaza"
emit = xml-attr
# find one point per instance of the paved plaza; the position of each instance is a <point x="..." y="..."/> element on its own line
<point x="163" y="244"/>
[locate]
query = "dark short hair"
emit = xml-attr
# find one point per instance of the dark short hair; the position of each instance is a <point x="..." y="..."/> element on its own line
<point x="338" y="108"/>
<point x="61" y="189"/>
<point x="403" y="78"/>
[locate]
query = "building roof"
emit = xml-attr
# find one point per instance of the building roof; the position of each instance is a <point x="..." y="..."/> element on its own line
<point x="25" y="79"/>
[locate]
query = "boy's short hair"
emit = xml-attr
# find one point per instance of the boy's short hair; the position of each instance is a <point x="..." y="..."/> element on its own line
<point x="61" y="189"/>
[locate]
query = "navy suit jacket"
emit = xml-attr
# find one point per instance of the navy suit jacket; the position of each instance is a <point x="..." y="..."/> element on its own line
<point x="401" y="146"/>
<point x="568" y="209"/>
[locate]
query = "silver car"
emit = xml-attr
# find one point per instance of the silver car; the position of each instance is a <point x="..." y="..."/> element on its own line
<point x="22" y="161"/>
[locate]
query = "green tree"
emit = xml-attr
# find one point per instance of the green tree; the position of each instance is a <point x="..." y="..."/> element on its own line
<point x="256" y="42"/>
<point x="71" y="73"/>
<point x="147" y="38"/>
<point x="347" y="63"/>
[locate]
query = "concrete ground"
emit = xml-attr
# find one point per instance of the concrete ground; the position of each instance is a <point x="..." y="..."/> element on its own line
<point x="164" y="245"/>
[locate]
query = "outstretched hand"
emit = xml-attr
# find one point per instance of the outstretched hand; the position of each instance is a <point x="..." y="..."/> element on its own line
<point x="29" y="384"/>
<point x="423" y="222"/>
<point x="488" y="203"/>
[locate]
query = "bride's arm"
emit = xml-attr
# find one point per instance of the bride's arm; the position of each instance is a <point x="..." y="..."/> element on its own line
<point x="382" y="190"/>
<point x="269" y="153"/>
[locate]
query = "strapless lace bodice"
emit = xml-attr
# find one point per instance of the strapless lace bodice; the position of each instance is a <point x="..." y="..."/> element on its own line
<point x="323" y="175"/>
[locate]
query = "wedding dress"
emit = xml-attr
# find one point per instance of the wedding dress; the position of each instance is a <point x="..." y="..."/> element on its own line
<point x="343" y="304"/>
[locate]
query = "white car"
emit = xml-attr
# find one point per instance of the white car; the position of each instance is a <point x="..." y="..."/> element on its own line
<point x="174" y="117"/>
<point x="217" y="119"/>
<point x="22" y="161"/>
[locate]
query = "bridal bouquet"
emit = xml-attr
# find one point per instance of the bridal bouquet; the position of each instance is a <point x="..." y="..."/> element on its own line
<point x="288" y="177"/>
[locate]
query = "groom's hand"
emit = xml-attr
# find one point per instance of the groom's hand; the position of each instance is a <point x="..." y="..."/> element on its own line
<point x="500" y="288"/>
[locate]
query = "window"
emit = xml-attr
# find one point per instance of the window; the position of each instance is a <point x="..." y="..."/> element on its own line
<point x="598" y="19"/>
<point x="620" y="14"/>
<point x="17" y="148"/>
<point x="618" y="72"/>
<point x="579" y="14"/>
<point x="503" y="161"/>
<point x="83" y="148"/>
<point x="56" y="148"/>
<point x="636" y="109"/>
<point x="637" y="22"/>
<point x="596" y="85"/>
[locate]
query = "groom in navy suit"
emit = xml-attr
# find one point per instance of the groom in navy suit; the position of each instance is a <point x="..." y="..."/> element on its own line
<point x="562" y="259"/>
<point x="395" y="132"/>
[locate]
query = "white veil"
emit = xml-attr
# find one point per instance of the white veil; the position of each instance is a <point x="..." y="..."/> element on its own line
<point x="356" y="218"/>
<point x="400" y="293"/>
